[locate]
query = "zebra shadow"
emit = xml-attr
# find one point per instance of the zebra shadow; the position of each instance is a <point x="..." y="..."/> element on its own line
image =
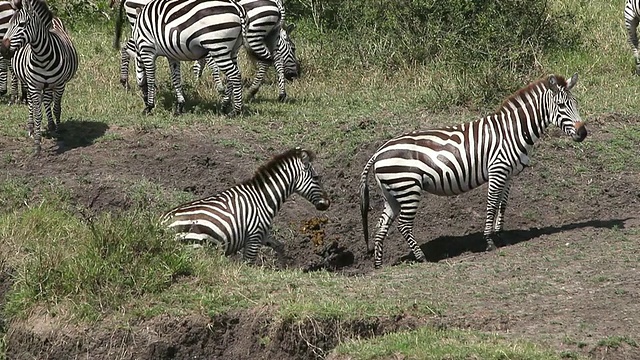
<point x="73" y="134"/>
<point x="452" y="246"/>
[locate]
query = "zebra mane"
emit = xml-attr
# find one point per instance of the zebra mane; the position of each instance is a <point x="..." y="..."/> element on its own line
<point x="278" y="159"/>
<point x="37" y="6"/>
<point x="562" y="83"/>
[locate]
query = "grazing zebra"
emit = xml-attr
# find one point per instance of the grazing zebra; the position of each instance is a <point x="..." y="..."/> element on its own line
<point x="631" y="19"/>
<point x="6" y="12"/>
<point x="45" y="60"/>
<point x="453" y="160"/>
<point x="241" y="216"/>
<point x="186" y="30"/>
<point x="260" y="14"/>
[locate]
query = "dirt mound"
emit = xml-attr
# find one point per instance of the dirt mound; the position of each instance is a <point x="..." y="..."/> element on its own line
<point x="232" y="336"/>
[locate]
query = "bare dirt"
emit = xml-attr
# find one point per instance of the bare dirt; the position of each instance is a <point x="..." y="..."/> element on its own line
<point x="448" y="229"/>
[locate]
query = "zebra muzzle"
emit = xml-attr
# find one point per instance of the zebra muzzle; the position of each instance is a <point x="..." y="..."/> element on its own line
<point x="581" y="132"/>
<point x="323" y="204"/>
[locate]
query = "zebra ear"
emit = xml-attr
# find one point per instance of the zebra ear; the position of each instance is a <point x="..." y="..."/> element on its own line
<point x="572" y="82"/>
<point x="306" y="159"/>
<point x="553" y="83"/>
<point x="16" y="4"/>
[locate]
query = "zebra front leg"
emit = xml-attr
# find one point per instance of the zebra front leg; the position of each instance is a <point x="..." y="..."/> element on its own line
<point x="502" y="207"/>
<point x="146" y="79"/>
<point x="47" y="98"/>
<point x="252" y="247"/>
<point x="35" y="118"/>
<point x="496" y="187"/>
<point x="387" y="217"/>
<point x="258" y="79"/>
<point x="177" y="86"/>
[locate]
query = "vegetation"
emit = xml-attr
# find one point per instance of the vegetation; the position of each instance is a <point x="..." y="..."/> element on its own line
<point x="372" y="69"/>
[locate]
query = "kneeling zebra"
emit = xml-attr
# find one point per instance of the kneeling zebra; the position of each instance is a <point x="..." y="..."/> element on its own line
<point x="241" y="217"/>
<point x="453" y="160"/>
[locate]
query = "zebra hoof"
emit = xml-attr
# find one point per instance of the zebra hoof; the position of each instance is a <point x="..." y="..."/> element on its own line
<point x="52" y="127"/>
<point x="282" y="97"/>
<point x="124" y="83"/>
<point x="490" y="246"/>
<point x="147" y="110"/>
<point x="179" y="109"/>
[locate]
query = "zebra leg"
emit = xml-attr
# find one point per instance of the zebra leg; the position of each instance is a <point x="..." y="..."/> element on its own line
<point x="408" y="209"/>
<point x="4" y="67"/>
<point x="215" y="72"/>
<point x="499" y="220"/>
<point x="47" y="98"/>
<point x="234" y="88"/>
<point x="252" y="247"/>
<point x="387" y="217"/>
<point x="282" y="96"/>
<point x="257" y="80"/>
<point x="276" y="245"/>
<point x="35" y="115"/>
<point x="496" y="187"/>
<point x="177" y="85"/>
<point x="198" y="68"/>
<point x="124" y="62"/>
<point x="146" y="78"/>
<point x="57" y="104"/>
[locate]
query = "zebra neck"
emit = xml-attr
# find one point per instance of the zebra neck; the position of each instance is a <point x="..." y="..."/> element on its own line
<point x="40" y="42"/>
<point x="526" y="117"/>
<point x="272" y="192"/>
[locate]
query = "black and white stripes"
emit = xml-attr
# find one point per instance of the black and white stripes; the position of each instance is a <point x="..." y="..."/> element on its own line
<point x="631" y="19"/>
<point x="454" y="160"/>
<point x="241" y="217"/>
<point x="6" y="12"/>
<point x="45" y="60"/>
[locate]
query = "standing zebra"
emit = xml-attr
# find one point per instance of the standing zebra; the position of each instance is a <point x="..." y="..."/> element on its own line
<point x="260" y="14"/>
<point x="631" y="19"/>
<point x="454" y="160"/>
<point x="45" y="60"/>
<point x="184" y="30"/>
<point x="6" y="12"/>
<point x="241" y="216"/>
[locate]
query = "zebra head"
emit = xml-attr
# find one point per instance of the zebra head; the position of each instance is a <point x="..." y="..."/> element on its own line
<point x="563" y="108"/>
<point x="15" y="37"/>
<point x="287" y="50"/>
<point x="308" y="183"/>
<point x="29" y="24"/>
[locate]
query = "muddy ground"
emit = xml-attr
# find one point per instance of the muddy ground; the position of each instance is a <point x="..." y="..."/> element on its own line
<point x="197" y="160"/>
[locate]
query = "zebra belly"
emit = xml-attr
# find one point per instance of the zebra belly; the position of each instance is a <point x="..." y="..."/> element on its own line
<point x="202" y="230"/>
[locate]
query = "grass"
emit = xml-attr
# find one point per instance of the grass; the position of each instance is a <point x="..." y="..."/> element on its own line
<point x="86" y="268"/>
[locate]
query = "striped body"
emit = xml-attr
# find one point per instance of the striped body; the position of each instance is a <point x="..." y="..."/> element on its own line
<point x="6" y="12"/>
<point x="631" y="19"/>
<point x="241" y="217"/>
<point x="45" y="60"/>
<point x="187" y="30"/>
<point x="454" y="160"/>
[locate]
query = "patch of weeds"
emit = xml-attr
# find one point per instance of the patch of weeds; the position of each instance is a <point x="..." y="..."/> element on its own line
<point x="617" y="341"/>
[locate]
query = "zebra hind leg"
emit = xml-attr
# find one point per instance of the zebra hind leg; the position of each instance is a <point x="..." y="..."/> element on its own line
<point x="387" y="217"/>
<point x="177" y="86"/>
<point x="258" y="79"/>
<point x="47" y="99"/>
<point x="405" y="226"/>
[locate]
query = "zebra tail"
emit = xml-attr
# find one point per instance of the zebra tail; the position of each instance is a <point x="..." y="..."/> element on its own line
<point x="118" y="34"/>
<point x="364" y="200"/>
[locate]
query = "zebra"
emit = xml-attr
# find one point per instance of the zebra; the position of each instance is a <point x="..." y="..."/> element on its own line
<point x="6" y="13"/>
<point x="631" y="19"/>
<point x="184" y="30"/>
<point x="453" y="160"/>
<point x="285" y="61"/>
<point x="241" y="217"/>
<point x="45" y="60"/>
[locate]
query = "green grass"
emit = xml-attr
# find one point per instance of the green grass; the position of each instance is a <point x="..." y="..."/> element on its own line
<point x="88" y="267"/>
<point x="427" y="343"/>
